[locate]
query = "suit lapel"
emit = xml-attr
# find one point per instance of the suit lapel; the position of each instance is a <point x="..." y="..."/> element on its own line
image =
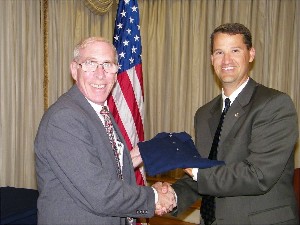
<point x="78" y="97"/>
<point x="234" y="113"/>
<point x="215" y="116"/>
<point x="237" y="109"/>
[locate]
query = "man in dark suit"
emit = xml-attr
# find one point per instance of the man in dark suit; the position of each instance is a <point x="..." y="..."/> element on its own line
<point x="84" y="177"/>
<point x="256" y="142"/>
<point x="258" y="136"/>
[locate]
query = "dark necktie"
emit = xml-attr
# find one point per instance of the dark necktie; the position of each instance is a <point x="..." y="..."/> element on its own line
<point x="208" y="202"/>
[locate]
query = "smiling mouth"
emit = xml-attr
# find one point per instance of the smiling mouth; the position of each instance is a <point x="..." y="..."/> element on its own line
<point x="228" y="68"/>
<point x="98" y="86"/>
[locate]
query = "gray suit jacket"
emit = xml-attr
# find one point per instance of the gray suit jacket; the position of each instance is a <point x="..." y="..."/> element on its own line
<point x="257" y="144"/>
<point x="76" y="169"/>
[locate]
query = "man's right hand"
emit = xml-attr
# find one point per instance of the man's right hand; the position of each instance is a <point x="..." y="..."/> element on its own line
<point x="166" y="198"/>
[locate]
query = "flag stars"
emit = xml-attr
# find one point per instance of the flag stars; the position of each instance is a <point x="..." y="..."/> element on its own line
<point x="123" y="13"/>
<point x="134" y="9"/>
<point x="116" y="37"/>
<point x="125" y="43"/>
<point x="122" y="54"/>
<point x="127" y="37"/>
<point x="120" y="26"/>
<point x="128" y="31"/>
<point x="133" y="49"/>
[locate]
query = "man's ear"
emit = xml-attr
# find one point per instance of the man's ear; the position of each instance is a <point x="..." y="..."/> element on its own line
<point x="73" y="69"/>
<point x="212" y="60"/>
<point x="252" y="54"/>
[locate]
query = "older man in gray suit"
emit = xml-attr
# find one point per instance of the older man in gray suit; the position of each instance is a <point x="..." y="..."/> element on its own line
<point x="81" y="180"/>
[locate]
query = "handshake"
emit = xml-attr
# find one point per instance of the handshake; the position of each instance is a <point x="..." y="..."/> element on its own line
<point x="166" y="201"/>
<point x="166" y="198"/>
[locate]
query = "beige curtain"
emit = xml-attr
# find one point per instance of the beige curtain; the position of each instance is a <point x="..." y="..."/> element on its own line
<point x="21" y="84"/>
<point x="178" y="77"/>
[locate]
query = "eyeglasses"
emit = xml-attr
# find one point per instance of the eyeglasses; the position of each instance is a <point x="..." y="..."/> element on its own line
<point x="91" y="66"/>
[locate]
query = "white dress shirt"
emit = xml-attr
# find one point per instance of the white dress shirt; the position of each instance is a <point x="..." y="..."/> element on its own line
<point x="120" y="145"/>
<point x="232" y="97"/>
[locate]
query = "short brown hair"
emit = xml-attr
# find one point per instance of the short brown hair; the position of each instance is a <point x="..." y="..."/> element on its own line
<point x="232" y="29"/>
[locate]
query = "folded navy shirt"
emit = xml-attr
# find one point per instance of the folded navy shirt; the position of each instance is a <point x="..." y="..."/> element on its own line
<point x="168" y="151"/>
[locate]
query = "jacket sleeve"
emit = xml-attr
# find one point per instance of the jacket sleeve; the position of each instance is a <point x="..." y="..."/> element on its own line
<point x="187" y="193"/>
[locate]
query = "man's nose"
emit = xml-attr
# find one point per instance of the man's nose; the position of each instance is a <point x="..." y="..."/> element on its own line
<point x="227" y="57"/>
<point x="100" y="72"/>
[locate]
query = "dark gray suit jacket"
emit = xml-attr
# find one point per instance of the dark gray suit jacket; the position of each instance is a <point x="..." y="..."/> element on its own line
<point x="76" y="169"/>
<point x="257" y="144"/>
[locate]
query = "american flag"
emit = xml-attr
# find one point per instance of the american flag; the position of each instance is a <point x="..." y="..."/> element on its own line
<point x="127" y="100"/>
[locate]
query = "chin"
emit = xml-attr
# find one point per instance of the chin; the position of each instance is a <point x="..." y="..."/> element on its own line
<point x="228" y="78"/>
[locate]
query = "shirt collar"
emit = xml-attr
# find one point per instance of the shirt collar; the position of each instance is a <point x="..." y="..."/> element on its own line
<point x="233" y="96"/>
<point x="97" y="107"/>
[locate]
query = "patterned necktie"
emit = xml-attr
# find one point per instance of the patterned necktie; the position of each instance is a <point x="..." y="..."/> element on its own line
<point x="110" y="132"/>
<point x="208" y="202"/>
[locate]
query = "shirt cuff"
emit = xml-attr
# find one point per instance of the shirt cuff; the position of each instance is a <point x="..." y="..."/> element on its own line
<point x="156" y="195"/>
<point x="195" y="173"/>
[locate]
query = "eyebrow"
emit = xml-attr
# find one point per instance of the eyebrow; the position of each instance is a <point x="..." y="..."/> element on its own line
<point x="219" y="49"/>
